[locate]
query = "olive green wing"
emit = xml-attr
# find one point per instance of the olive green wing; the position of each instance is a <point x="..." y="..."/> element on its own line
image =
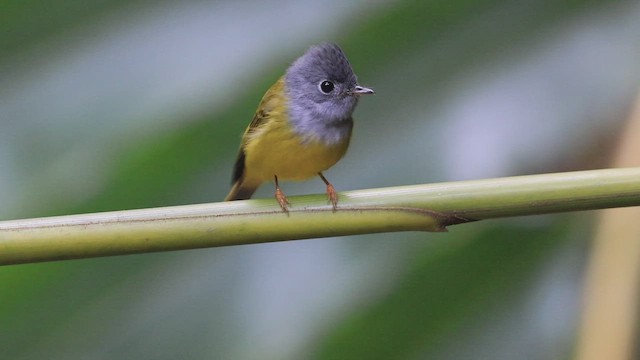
<point x="259" y="119"/>
<point x="272" y="97"/>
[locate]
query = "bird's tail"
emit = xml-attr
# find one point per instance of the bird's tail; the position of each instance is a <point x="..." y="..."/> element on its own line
<point x="241" y="191"/>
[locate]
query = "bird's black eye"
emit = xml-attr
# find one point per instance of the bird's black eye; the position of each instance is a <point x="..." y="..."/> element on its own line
<point x="326" y="86"/>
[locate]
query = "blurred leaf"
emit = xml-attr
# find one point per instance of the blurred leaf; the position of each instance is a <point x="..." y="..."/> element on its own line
<point x="444" y="287"/>
<point x="23" y="23"/>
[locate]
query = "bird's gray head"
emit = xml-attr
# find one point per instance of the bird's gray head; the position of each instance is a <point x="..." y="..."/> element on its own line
<point x="323" y="92"/>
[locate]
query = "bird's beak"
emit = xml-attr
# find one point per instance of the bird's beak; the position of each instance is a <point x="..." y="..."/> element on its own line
<point x="361" y="90"/>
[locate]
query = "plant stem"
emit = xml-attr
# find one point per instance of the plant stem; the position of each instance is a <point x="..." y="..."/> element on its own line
<point x="429" y="207"/>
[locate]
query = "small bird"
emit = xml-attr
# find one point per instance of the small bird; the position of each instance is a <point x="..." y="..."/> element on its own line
<point x="302" y="125"/>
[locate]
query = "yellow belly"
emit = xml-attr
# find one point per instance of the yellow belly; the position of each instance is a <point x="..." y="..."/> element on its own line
<point x="277" y="150"/>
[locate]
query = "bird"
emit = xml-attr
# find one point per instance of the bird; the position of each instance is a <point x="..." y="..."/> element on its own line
<point x="302" y="125"/>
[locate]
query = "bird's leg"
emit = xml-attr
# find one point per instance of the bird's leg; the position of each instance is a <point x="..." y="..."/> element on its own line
<point x="282" y="199"/>
<point x="331" y="192"/>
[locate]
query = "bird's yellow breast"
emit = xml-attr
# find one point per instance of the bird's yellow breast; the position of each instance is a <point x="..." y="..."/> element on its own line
<point x="274" y="148"/>
<point x="279" y="151"/>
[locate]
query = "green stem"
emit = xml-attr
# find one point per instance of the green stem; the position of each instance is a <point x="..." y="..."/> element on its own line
<point x="421" y="207"/>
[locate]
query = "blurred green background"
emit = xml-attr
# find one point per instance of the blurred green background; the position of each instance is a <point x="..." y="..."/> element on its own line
<point x="109" y="105"/>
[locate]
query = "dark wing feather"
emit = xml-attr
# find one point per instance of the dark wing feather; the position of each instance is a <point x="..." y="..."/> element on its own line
<point x="238" y="168"/>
